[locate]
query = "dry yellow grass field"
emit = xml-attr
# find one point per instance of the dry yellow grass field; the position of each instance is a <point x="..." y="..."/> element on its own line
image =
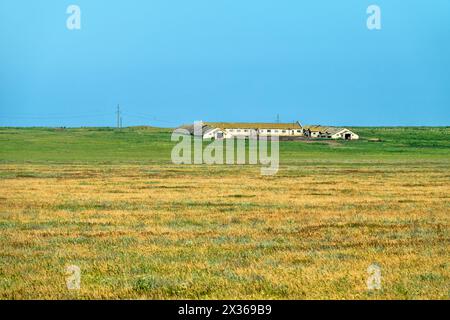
<point x="162" y="231"/>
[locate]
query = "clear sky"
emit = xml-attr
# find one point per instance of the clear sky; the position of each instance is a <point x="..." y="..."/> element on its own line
<point x="169" y="62"/>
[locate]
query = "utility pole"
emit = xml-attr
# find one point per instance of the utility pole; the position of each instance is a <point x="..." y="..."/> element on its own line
<point x="278" y="118"/>
<point x="118" y="116"/>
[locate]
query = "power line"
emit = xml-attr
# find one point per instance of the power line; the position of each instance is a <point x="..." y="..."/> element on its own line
<point x="119" y="117"/>
<point x="147" y="117"/>
<point x="54" y="116"/>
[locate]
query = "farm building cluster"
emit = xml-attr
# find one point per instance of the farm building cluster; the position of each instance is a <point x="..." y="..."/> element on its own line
<point x="226" y="130"/>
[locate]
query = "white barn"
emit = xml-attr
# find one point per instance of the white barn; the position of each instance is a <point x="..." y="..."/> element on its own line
<point x="224" y="130"/>
<point x="330" y="133"/>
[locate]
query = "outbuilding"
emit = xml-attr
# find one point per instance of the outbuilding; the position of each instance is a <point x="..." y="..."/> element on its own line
<point x="330" y="133"/>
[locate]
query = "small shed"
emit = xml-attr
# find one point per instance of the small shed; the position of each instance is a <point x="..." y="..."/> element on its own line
<point x="317" y="131"/>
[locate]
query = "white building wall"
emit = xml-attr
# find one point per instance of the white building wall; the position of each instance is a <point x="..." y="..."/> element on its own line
<point x="245" y="132"/>
<point x="343" y="133"/>
<point x="281" y="132"/>
<point x="215" y="133"/>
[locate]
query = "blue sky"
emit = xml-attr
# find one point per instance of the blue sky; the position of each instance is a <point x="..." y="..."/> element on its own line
<point x="169" y="62"/>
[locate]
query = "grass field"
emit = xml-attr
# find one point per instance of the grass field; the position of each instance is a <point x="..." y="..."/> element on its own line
<point x="138" y="226"/>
